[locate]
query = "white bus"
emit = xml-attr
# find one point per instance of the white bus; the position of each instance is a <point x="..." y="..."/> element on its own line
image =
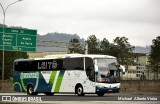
<point x="70" y="73"/>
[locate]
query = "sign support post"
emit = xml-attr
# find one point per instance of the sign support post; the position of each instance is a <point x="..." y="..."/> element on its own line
<point x="4" y="13"/>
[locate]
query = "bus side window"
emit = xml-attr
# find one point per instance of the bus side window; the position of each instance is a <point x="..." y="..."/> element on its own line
<point x="20" y="66"/>
<point x="16" y="66"/>
<point x="60" y="66"/>
<point x="25" y="66"/>
<point x="73" y="64"/>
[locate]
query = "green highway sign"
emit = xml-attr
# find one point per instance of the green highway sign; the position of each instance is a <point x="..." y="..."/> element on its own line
<point x="18" y="39"/>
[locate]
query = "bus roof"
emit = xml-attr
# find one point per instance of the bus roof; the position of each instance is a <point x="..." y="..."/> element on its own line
<point x="66" y="56"/>
<point x="78" y="55"/>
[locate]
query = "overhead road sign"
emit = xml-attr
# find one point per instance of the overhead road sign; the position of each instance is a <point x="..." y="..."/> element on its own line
<point x="18" y="39"/>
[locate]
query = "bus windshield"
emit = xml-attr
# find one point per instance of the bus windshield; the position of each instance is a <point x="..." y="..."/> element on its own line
<point x="107" y="70"/>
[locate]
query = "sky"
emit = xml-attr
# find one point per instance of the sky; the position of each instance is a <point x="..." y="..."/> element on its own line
<point x="137" y="20"/>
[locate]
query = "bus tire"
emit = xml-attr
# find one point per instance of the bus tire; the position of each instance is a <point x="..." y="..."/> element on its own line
<point x="79" y="90"/>
<point x="100" y="94"/>
<point x="49" y="93"/>
<point x="30" y="90"/>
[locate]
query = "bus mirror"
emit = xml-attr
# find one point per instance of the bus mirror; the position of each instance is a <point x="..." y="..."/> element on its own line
<point x="123" y="68"/>
<point x="96" y="69"/>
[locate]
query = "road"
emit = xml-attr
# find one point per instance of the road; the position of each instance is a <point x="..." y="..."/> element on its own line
<point x="73" y="99"/>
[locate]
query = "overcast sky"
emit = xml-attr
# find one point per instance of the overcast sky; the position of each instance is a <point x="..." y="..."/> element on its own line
<point x="138" y="20"/>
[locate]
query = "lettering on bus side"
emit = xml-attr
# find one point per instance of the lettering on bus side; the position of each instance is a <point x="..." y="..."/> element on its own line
<point x="47" y="65"/>
<point x="29" y="75"/>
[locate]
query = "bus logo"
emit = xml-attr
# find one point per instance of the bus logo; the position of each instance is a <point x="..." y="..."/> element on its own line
<point x="29" y="75"/>
<point x="6" y="98"/>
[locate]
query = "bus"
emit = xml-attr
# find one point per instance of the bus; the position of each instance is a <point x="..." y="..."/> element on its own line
<point x="68" y="73"/>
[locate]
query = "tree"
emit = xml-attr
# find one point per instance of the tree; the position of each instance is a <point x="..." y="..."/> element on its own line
<point x="105" y="46"/>
<point x="122" y="50"/>
<point x="75" y="46"/>
<point x="155" y="55"/>
<point x="1" y="25"/>
<point x="93" y="45"/>
<point x="10" y="56"/>
<point x="113" y="50"/>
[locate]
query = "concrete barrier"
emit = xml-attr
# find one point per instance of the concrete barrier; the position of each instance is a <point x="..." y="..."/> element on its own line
<point x="6" y="86"/>
<point x="150" y="86"/>
<point x="140" y="86"/>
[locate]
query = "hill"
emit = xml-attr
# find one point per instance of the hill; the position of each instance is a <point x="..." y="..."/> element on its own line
<point x="56" y="38"/>
<point x="59" y="37"/>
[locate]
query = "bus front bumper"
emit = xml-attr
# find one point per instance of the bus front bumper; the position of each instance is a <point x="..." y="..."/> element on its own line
<point x="106" y="90"/>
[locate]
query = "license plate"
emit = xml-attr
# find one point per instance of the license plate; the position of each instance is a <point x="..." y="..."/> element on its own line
<point x="110" y="90"/>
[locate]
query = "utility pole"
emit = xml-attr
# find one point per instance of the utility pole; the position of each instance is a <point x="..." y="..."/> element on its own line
<point x="86" y="48"/>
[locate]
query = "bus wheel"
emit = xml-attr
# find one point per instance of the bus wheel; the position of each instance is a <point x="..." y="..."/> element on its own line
<point x="30" y="90"/>
<point x="100" y="94"/>
<point x="49" y="93"/>
<point x="79" y="91"/>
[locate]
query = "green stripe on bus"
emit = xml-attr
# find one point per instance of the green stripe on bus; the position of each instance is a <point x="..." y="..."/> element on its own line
<point x="52" y="77"/>
<point x="24" y="87"/>
<point x="16" y="83"/>
<point x="59" y="81"/>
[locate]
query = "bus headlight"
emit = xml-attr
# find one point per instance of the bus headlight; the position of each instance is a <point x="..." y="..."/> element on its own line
<point x="103" y="80"/>
<point x="117" y="86"/>
<point x="100" y="86"/>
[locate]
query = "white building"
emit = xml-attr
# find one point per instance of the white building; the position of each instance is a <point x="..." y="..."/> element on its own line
<point x="138" y="69"/>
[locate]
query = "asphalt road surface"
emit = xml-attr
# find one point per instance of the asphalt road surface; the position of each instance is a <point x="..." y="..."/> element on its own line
<point x="74" y="99"/>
